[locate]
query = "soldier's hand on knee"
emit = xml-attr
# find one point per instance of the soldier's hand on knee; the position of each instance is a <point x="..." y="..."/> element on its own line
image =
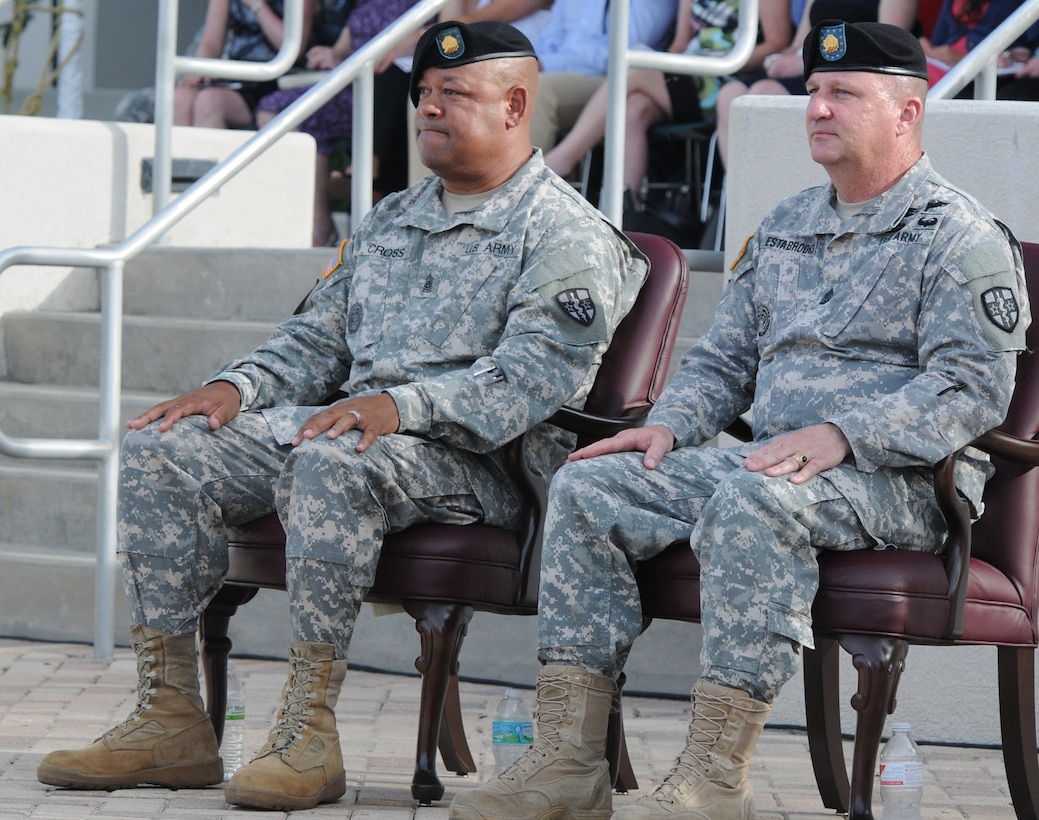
<point x="655" y="441"/>
<point x="374" y="416"/>
<point x="220" y="401"/>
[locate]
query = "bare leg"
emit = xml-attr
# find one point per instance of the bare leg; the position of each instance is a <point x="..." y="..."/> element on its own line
<point x="184" y="103"/>
<point x="221" y="108"/>
<point x="590" y="127"/>
<point x="585" y="135"/>
<point x="644" y="111"/>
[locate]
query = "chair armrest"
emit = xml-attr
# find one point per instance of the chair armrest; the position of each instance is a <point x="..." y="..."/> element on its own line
<point x="592" y="427"/>
<point x="956" y="556"/>
<point x="957" y="515"/>
<point x="1010" y="447"/>
<point x="740" y="429"/>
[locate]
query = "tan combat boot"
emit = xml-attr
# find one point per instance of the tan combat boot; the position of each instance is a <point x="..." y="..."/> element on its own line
<point x="565" y="773"/>
<point x="709" y="780"/>
<point x="167" y="740"/>
<point x="301" y="764"/>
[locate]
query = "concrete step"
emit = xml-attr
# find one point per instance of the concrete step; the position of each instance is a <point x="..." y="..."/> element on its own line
<point x="236" y="284"/>
<point x="65" y="411"/>
<point x="168" y="355"/>
<point x="49" y="506"/>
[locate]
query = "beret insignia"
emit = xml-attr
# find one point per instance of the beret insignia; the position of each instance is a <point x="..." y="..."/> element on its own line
<point x="450" y="44"/>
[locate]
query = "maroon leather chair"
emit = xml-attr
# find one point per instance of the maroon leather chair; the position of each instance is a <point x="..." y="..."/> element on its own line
<point x="984" y="590"/>
<point x="440" y="574"/>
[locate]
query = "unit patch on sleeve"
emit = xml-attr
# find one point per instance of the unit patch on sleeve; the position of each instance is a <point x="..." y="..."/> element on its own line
<point x="577" y="304"/>
<point x="1001" y="307"/>
<point x="336" y="262"/>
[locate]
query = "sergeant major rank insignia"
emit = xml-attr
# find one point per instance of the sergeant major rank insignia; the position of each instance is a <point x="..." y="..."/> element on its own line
<point x="578" y="304"/>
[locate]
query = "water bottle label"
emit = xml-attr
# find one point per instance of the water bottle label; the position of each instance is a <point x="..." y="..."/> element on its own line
<point x="512" y="731"/>
<point x="908" y="773"/>
<point x="235" y="712"/>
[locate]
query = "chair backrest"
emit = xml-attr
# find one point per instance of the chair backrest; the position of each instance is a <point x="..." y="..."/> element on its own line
<point x="635" y="367"/>
<point x="1007" y="535"/>
<point x="630" y="379"/>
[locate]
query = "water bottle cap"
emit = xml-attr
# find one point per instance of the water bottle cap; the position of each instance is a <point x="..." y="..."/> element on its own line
<point x="513" y="693"/>
<point x="900" y="727"/>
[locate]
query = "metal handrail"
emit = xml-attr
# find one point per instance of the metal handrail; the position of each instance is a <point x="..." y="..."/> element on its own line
<point x="358" y="67"/>
<point x="622" y="58"/>
<point x="169" y="64"/>
<point x="980" y="62"/>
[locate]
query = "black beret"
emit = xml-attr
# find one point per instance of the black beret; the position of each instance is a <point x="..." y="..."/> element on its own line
<point x="452" y="43"/>
<point x="879" y="48"/>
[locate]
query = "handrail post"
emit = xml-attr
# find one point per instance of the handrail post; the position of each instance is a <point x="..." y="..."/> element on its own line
<point x="622" y="58"/>
<point x="362" y="141"/>
<point x="985" y="83"/>
<point x="612" y="197"/>
<point x="168" y="65"/>
<point x="165" y="80"/>
<point x="108" y="431"/>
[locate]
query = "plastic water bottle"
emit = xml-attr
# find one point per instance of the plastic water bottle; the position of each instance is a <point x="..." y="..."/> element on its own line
<point x="901" y="775"/>
<point x="513" y="729"/>
<point x="234" y="723"/>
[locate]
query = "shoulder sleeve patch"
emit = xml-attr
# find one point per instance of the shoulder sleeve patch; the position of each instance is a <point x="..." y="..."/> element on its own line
<point x="993" y="284"/>
<point x="741" y="254"/>
<point x="574" y="301"/>
<point x="336" y="262"/>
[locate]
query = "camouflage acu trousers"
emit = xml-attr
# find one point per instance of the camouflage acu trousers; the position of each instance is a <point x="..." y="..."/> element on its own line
<point x="181" y="490"/>
<point x="756" y="538"/>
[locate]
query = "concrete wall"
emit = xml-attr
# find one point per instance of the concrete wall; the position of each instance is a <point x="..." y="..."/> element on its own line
<point x="78" y="184"/>
<point x="986" y="148"/>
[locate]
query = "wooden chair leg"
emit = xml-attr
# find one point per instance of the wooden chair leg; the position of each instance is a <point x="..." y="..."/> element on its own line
<point x="454" y="748"/>
<point x="1017" y="720"/>
<point x="823" y="716"/>
<point x="442" y="628"/>
<point x="880" y="662"/>
<point x="216" y="646"/>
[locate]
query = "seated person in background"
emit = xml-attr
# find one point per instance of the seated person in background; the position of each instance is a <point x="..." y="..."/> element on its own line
<point x="783" y="70"/>
<point x="574" y="49"/>
<point x="959" y="27"/>
<point x="235" y="30"/>
<point x="334" y="120"/>
<point x="701" y="27"/>
<point x="867" y="353"/>
<point x="464" y="312"/>
<point x="529" y="16"/>
<point x="1023" y="84"/>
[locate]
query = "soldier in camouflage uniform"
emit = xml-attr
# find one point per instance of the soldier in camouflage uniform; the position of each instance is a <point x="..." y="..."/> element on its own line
<point x="463" y="312"/>
<point x="871" y="326"/>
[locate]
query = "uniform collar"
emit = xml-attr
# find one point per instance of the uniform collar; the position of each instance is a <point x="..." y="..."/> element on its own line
<point x="883" y="214"/>
<point x="427" y="213"/>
